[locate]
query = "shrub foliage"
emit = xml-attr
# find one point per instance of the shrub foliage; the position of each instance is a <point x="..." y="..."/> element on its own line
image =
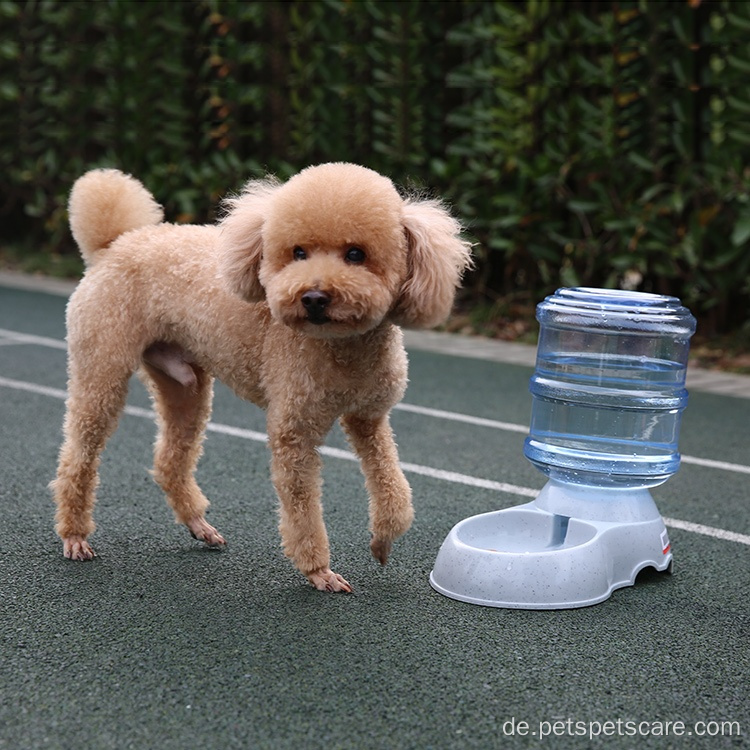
<point x="584" y="142"/>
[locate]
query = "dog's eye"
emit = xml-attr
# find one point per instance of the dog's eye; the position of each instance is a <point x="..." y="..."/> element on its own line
<point x="355" y="255"/>
<point x="299" y="253"/>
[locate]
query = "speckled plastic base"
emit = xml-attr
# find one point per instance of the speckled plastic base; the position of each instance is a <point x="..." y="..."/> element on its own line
<point x="541" y="556"/>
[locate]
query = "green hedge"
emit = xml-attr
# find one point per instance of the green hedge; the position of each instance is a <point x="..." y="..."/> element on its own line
<point x="583" y="142"/>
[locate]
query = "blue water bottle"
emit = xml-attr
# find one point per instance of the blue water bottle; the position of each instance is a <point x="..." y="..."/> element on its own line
<point x="609" y="387"/>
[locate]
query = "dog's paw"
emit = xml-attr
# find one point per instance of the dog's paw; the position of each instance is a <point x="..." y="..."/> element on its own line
<point x="201" y="530"/>
<point x="381" y="549"/>
<point x="325" y="579"/>
<point x="77" y="548"/>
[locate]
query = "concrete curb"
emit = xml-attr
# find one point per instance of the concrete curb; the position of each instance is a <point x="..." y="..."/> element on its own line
<point x="17" y="280"/>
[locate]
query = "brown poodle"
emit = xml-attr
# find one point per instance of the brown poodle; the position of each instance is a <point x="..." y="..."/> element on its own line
<point x="294" y="301"/>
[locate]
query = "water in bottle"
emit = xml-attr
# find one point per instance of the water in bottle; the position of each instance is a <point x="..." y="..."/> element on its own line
<point x="609" y="387"/>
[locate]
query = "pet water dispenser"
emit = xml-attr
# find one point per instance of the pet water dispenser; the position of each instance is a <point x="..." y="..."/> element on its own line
<point x="608" y="395"/>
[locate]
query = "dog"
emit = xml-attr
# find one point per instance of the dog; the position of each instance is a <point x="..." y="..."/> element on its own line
<point x="294" y="299"/>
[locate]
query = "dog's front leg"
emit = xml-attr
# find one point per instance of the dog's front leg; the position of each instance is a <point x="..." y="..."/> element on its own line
<point x="296" y="475"/>
<point x="391" y="512"/>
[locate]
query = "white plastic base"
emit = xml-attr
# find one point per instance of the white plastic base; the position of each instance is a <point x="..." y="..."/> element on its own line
<point x="571" y="547"/>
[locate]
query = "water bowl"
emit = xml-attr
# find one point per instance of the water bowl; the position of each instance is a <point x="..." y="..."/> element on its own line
<point x="531" y="557"/>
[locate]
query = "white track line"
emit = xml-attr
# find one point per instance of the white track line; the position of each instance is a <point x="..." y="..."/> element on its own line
<point x="14" y="337"/>
<point x="42" y="390"/>
<point x="510" y="427"/>
<point x="465" y="418"/>
<point x="711" y="464"/>
<point x="428" y="471"/>
<point x="699" y="528"/>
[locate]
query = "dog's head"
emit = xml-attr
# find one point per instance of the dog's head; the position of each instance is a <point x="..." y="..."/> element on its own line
<point x="336" y="250"/>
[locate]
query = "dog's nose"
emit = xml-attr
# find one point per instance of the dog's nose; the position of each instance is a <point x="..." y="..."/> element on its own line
<point x="315" y="302"/>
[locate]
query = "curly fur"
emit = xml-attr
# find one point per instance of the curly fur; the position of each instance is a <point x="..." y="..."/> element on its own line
<point x="293" y="300"/>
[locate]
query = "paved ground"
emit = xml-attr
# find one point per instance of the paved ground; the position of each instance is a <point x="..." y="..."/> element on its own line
<point x="161" y="643"/>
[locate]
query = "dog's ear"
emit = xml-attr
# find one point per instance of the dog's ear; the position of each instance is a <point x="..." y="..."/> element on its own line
<point x="437" y="258"/>
<point x="242" y="238"/>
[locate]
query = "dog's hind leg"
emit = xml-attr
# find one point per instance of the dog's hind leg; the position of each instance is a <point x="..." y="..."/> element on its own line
<point x="93" y="407"/>
<point x="183" y="411"/>
<point x="391" y="511"/>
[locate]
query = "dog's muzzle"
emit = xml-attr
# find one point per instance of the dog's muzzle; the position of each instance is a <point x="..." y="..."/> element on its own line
<point x="315" y="303"/>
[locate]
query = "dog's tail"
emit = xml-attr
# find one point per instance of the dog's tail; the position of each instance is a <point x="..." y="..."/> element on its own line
<point x="105" y="203"/>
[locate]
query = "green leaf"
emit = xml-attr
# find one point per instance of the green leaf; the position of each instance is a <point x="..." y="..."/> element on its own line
<point x="741" y="231"/>
<point x="651" y="192"/>
<point x="583" y="207"/>
<point x="641" y="161"/>
<point x="741" y="23"/>
<point x="569" y="277"/>
<point x="739" y="63"/>
<point x="621" y="225"/>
